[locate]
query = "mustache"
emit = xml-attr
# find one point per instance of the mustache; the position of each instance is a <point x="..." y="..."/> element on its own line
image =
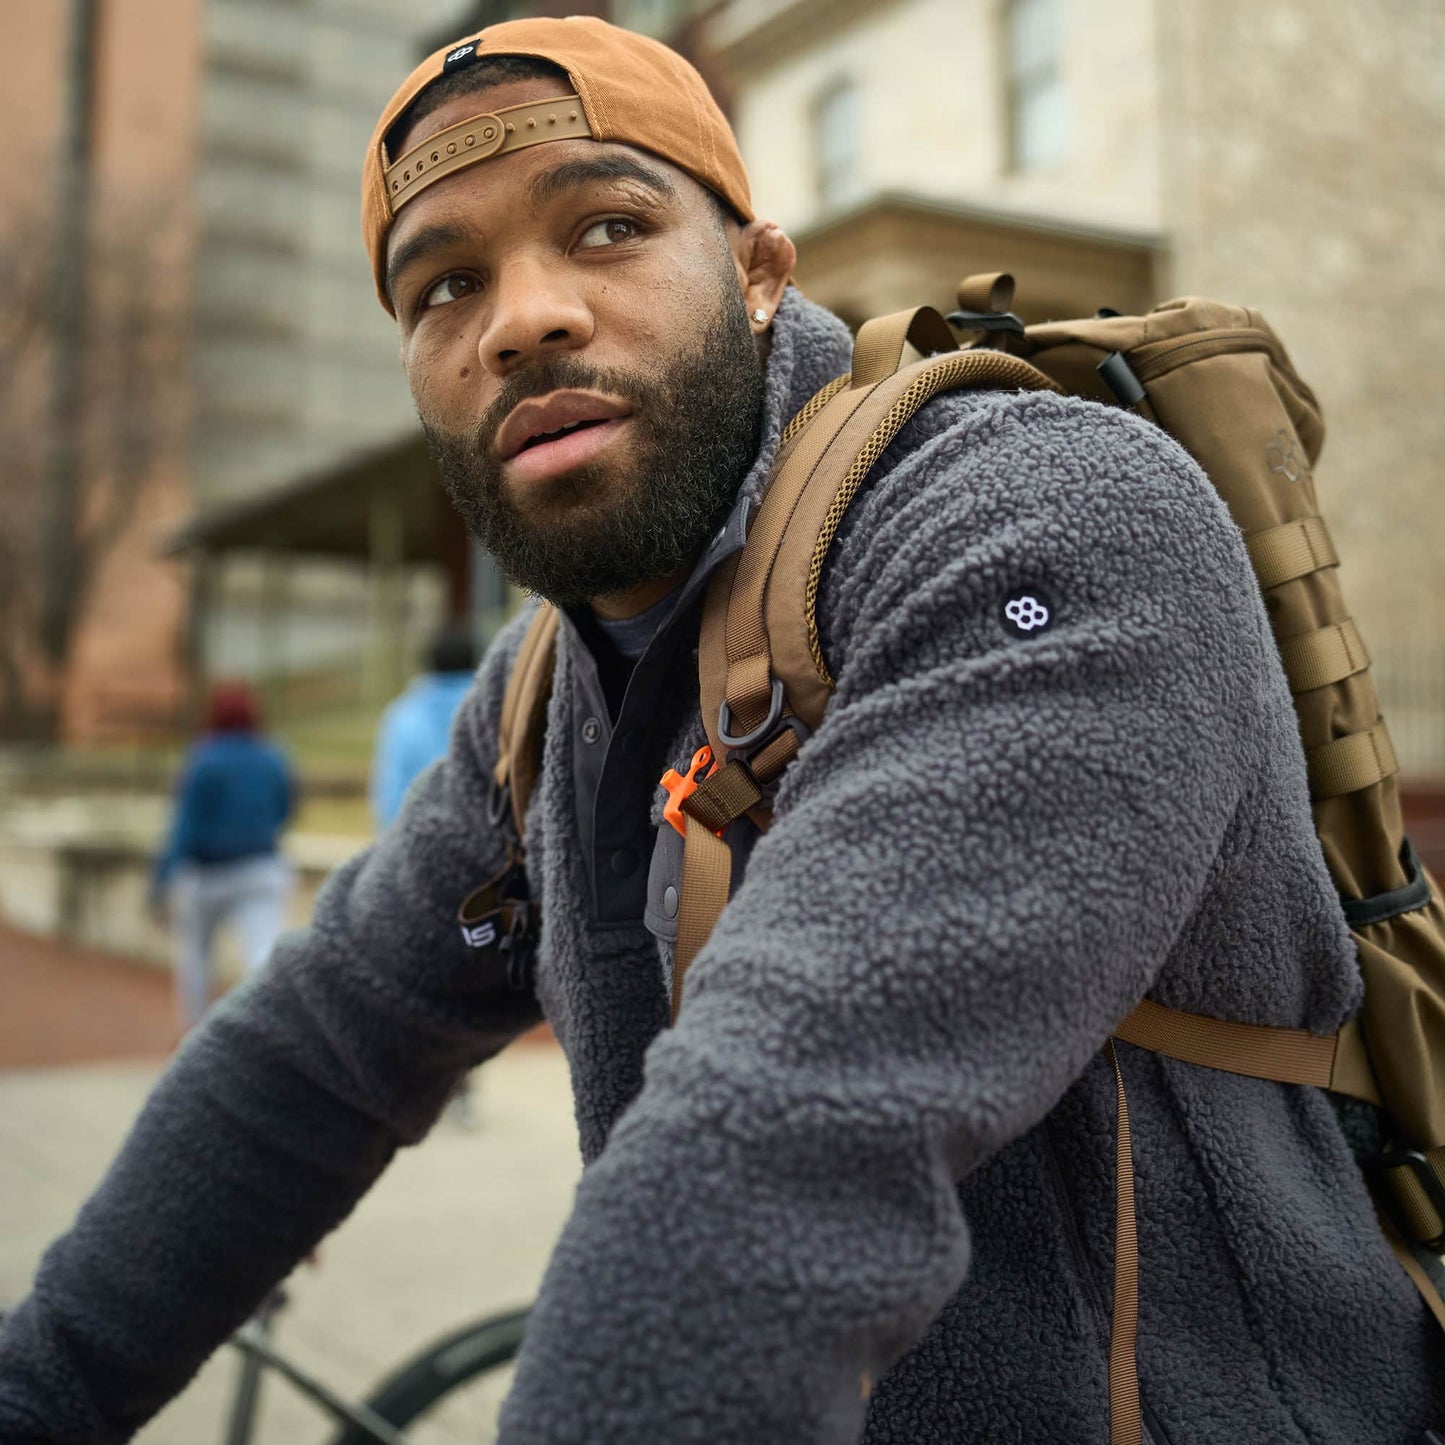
<point x="556" y="374"/>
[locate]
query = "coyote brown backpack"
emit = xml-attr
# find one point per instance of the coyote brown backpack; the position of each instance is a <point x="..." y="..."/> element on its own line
<point x="1216" y="378"/>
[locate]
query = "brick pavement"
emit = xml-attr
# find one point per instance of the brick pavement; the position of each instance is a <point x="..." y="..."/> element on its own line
<point x="62" y="1003"/>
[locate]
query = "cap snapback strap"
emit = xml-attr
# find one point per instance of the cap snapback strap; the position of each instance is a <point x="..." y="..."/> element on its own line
<point x="480" y="138"/>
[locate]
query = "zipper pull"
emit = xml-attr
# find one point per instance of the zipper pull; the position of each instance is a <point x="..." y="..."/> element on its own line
<point x="681" y="786"/>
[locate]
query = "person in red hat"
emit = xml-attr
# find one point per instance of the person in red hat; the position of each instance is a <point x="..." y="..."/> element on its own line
<point x="221" y="865"/>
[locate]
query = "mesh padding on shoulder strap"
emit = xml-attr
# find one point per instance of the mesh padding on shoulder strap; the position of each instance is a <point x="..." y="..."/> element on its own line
<point x="982" y="369"/>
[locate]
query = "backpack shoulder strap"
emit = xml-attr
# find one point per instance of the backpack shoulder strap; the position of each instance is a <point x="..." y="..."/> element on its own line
<point x="521" y="729"/>
<point x="760" y="661"/>
<point x="763" y="681"/>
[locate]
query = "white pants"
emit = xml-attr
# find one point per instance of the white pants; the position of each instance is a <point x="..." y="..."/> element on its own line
<point x="252" y="895"/>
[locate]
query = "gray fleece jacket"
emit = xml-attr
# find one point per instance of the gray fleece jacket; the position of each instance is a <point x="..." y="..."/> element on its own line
<point x="880" y="1137"/>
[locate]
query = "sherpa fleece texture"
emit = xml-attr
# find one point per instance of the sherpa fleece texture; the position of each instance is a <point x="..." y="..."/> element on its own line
<point x="990" y="850"/>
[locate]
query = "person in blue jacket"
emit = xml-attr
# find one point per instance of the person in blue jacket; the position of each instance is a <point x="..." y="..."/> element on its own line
<point x="221" y="862"/>
<point x="415" y="727"/>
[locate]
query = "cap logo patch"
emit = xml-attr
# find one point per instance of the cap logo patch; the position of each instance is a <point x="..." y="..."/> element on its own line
<point x="1026" y="614"/>
<point x="460" y="56"/>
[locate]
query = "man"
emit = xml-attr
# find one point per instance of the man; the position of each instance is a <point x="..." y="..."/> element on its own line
<point x="879" y="1139"/>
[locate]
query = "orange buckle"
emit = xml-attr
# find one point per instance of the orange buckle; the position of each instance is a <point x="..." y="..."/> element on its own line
<point x="681" y="786"/>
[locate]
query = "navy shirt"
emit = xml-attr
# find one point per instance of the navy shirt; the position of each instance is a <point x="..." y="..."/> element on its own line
<point x="232" y="801"/>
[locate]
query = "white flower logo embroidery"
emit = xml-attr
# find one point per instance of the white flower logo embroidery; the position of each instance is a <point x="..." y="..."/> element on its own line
<point x="1027" y="613"/>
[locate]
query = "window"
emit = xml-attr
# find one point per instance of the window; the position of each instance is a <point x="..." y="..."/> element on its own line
<point x="838" y="131"/>
<point x="1038" y="100"/>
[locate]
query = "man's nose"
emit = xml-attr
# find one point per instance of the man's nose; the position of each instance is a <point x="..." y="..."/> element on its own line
<point x="535" y="311"/>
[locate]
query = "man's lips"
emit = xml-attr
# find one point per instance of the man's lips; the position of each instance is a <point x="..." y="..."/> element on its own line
<point x="545" y="459"/>
<point x="534" y="422"/>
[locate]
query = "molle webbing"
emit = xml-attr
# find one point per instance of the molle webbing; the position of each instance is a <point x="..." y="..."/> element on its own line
<point x="1323" y="657"/>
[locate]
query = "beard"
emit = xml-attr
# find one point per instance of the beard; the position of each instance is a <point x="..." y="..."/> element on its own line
<point x="607" y="526"/>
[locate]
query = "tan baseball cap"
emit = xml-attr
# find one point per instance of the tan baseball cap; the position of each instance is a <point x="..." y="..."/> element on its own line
<point x="625" y="88"/>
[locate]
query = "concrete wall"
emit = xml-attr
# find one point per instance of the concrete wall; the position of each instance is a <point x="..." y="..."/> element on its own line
<point x="1307" y="177"/>
<point x="79" y="868"/>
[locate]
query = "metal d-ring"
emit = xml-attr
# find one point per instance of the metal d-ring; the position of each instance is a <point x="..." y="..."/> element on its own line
<point x="499" y="801"/>
<point x="774" y="717"/>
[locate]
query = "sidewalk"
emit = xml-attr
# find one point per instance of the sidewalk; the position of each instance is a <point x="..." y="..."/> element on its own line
<point x="459" y="1227"/>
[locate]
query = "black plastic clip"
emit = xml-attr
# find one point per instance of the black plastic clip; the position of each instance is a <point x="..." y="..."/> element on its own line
<point x="499" y="803"/>
<point x="1119" y="377"/>
<point x="1362" y="912"/>
<point x="760" y="733"/>
<point x="1005" y="321"/>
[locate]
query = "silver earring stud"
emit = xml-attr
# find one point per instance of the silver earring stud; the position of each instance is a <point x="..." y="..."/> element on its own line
<point x="760" y="315"/>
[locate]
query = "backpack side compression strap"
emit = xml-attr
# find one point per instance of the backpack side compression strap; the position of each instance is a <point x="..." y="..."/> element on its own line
<point x="1259" y="1051"/>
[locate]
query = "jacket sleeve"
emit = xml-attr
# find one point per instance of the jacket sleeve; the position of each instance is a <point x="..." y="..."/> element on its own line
<point x="274" y="1118"/>
<point x="977" y="866"/>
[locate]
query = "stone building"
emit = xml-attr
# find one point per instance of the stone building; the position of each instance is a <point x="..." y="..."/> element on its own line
<point x="1117" y="152"/>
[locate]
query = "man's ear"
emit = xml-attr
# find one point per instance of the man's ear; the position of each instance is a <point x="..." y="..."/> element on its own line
<point x="764" y="257"/>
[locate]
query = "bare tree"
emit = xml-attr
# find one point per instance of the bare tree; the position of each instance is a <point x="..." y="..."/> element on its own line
<point x="122" y="419"/>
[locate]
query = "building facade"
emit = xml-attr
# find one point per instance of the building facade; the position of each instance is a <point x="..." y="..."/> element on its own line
<point x="221" y="162"/>
<point x="1108" y="152"/>
<point x="1118" y="152"/>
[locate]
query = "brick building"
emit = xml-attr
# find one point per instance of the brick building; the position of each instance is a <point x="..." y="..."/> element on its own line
<point x="219" y="148"/>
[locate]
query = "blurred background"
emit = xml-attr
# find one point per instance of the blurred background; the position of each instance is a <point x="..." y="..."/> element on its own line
<point x="209" y="463"/>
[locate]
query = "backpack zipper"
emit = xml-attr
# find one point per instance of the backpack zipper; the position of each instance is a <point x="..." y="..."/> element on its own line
<point x="1150" y="1430"/>
<point x="1150" y="364"/>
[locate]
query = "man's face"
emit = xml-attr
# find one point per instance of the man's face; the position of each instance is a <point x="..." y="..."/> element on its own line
<point x="575" y="335"/>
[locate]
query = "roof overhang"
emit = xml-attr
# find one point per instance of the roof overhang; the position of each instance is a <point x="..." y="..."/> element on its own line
<point x="334" y="511"/>
<point x="895" y="249"/>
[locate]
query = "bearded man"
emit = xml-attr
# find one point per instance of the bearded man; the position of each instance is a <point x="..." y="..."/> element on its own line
<point x="879" y="1140"/>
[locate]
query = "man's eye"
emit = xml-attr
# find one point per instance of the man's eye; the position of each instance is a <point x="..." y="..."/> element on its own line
<point x="606" y="233"/>
<point x="448" y="289"/>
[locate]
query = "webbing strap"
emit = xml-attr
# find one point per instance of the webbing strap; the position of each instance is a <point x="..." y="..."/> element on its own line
<point x="1421" y="1217"/>
<point x="707" y="865"/>
<point x="1125" y="1426"/>
<point x="1326" y="656"/>
<point x="1289" y="1056"/>
<point x="878" y="351"/>
<point x="1355" y="761"/>
<point x="726" y="795"/>
<point x="1295" y="549"/>
<point x="1412" y="1266"/>
<point x="524" y="714"/>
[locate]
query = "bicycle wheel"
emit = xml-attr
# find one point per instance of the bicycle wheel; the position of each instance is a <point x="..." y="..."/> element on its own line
<point x="452" y="1389"/>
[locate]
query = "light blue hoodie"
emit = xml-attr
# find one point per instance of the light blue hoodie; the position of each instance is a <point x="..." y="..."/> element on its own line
<point x="413" y="735"/>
